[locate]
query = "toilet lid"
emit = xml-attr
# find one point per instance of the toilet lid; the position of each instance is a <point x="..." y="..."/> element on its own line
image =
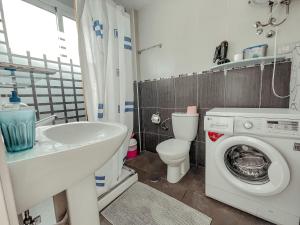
<point x="174" y="148"/>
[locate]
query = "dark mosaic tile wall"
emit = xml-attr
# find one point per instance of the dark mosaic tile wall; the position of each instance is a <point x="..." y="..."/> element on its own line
<point x="239" y="88"/>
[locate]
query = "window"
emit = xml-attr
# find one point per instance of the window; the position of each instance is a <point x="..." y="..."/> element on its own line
<point x="42" y="29"/>
<point x="70" y="34"/>
<point x="30" y="28"/>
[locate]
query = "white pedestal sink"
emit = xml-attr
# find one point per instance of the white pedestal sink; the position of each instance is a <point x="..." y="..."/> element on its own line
<point x="65" y="158"/>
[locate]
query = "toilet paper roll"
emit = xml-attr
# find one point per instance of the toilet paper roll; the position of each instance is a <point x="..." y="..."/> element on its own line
<point x="155" y="118"/>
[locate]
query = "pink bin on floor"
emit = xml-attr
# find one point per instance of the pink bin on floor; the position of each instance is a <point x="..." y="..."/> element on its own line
<point x="132" y="149"/>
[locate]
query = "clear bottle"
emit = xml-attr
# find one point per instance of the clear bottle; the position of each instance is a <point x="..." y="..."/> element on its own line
<point x="17" y="123"/>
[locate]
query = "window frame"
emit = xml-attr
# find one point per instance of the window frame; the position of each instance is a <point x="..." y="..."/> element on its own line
<point x="54" y="6"/>
<point x="58" y="9"/>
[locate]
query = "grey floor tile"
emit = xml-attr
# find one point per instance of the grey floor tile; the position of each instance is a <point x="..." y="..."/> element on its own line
<point x="174" y="190"/>
<point x="104" y="221"/>
<point x="194" y="180"/>
<point x="191" y="191"/>
<point x="150" y="163"/>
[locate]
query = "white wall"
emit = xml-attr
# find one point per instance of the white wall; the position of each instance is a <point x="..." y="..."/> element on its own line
<point x="191" y="29"/>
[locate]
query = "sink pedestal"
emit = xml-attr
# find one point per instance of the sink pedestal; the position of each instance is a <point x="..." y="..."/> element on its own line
<point x="65" y="157"/>
<point x="82" y="202"/>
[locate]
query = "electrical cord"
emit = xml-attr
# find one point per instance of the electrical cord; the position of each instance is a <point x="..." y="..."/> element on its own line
<point x="274" y="68"/>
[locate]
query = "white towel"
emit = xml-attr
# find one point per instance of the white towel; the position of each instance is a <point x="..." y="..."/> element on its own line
<point x="295" y="80"/>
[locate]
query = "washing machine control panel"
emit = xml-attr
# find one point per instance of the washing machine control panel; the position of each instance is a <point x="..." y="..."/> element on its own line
<point x="248" y="124"/>
<point x="265" y="126"/>
<point x="281" y="125"/>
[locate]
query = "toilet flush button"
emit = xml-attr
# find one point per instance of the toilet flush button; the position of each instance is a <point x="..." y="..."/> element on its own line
<point x="248" y="125"/>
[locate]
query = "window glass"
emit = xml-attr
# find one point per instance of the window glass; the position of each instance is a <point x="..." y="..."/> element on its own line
<point x="30" y="28"/>
<point x="71" y="37"/>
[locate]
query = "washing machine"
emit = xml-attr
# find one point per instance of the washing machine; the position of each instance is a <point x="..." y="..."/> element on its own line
<point x="253" y="161"/>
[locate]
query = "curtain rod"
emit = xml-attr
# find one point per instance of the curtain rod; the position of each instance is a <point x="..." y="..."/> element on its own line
<point x="146" y="49"/>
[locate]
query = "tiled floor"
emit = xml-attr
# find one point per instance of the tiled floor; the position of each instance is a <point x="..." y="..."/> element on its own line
<point x="190" y="190"/>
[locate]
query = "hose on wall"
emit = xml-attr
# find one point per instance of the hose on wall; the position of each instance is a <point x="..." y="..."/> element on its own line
<point x="274" y="68"/>
<point x="275" y="58"/>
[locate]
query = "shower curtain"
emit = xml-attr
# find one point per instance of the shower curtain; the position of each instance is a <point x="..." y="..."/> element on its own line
<point x="106" y="62"/>
<point x="295" y="80"/>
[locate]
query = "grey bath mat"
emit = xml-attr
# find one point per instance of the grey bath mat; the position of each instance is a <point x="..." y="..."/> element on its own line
<point x="144" y="205"/>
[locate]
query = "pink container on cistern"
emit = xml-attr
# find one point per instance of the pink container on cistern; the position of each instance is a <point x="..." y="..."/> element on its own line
<point x="191" y="109"/>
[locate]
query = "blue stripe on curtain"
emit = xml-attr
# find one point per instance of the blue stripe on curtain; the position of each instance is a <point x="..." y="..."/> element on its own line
<point x="100" y="111"/>
<point x="128" y="47"/>
<point x="100" y="177"/>
<point x="116" y="33"/>
<point x="100" y="181"/>
<point x="129" y="109"/>
<point x="129" y="105"/>
<point x="127" y="43"/>
<point x="127" y="39"/>
<point x="98" y="28"/>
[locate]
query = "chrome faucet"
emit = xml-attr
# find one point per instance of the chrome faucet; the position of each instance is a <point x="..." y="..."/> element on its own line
<point x="46" y="121"/>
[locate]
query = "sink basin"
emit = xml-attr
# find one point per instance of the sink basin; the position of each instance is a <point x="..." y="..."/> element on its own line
<point x="62" y="158"/>
<point x="79" y="133"/>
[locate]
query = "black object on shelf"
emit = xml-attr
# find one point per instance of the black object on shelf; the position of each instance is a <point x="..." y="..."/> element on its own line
<point x="221" y="53"/>
<point x="28" y="219"/>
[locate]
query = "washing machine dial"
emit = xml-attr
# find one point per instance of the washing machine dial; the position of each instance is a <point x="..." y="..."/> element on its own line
<point x="248" y="125"/>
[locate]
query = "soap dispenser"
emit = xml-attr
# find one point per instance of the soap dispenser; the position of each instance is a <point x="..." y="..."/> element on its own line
<point x="17" y="123"/>
<point x="15" y="102"/>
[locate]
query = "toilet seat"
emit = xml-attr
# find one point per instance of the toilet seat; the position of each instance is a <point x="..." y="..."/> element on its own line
<point x="174" y="148"/>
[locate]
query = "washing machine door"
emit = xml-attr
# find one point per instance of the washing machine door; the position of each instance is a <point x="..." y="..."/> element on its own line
<point x="252" y="165"/>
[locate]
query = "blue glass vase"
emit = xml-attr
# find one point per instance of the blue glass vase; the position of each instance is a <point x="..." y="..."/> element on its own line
<point x="18" y="129"/>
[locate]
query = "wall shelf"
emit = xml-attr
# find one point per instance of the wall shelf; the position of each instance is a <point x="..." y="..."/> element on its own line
<point x="13" y="85"/>
<point x="247" y="63"/>
<point x="24" y="68"/>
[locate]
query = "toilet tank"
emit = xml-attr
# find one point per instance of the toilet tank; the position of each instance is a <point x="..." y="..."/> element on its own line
<point x="185" y="126"/>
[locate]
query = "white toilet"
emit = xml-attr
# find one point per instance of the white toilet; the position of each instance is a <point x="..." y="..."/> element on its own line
<point x="175" y="152"/>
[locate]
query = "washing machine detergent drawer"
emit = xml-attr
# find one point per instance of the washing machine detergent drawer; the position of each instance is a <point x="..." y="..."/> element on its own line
<point x="223" y="125"/>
